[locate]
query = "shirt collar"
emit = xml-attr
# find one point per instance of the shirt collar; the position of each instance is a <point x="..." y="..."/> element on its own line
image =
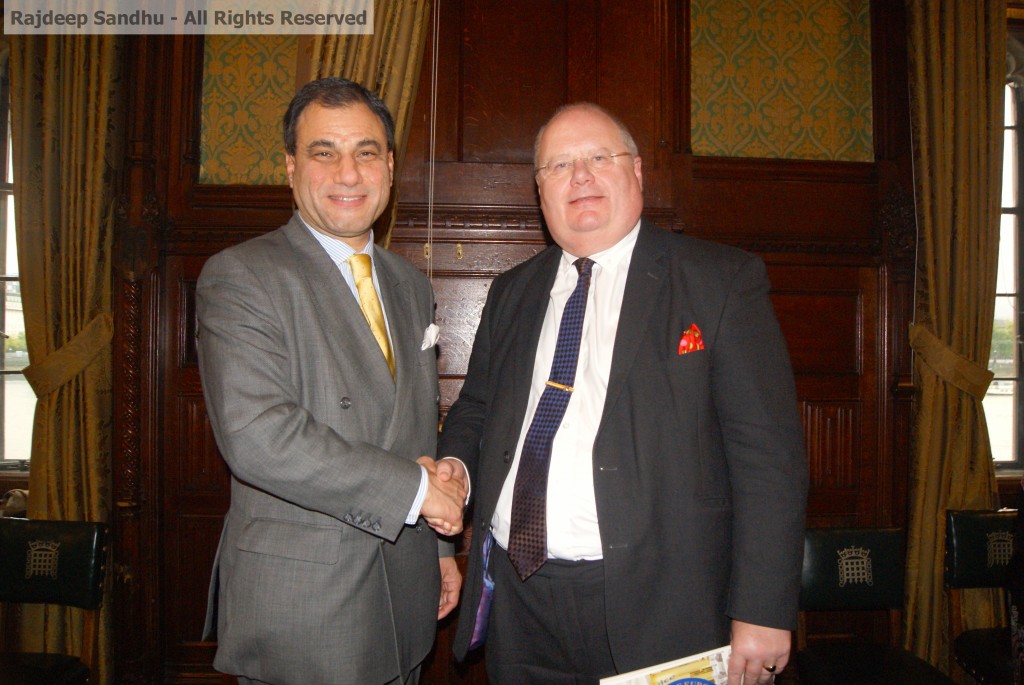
<point x="613" y="256"/>
<point x="338" y="250"/>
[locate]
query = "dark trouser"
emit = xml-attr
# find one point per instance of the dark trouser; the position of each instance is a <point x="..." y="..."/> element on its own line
<point x="549" y="630"/>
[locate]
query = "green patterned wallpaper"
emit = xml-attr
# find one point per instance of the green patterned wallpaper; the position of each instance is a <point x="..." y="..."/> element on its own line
<point x="248" y="81"/>
<point x="781" y="78"/>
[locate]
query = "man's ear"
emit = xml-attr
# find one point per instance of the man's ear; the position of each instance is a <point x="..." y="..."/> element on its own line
<point x="289" y="166"/>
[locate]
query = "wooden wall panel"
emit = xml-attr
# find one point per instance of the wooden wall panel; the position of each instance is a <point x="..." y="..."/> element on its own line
<point x="503" y="68"/>
<point x="822" y="330"/>
<point x="187" y="576"/>
<point x="500" y="52"/>
<point x="461" y="276"/>
<point x="830" y="316"/>
<point x="811" y="205"/>
<point x="196" y="482"/>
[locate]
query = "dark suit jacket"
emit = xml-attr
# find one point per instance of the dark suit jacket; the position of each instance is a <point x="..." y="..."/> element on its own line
<point x="700" y="476"/>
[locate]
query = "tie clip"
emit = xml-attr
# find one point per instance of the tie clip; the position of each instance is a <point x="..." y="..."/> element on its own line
<point x="560" y="386"/>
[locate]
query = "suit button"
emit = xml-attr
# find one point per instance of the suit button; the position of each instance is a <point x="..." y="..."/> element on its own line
<point x="345" y="403"/>
<point x="505" y="458"/>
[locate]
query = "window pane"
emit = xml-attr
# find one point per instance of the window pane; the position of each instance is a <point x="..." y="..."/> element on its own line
<point x="1006" y="281"/>
<point x="1009" y="169"/>
<point x="999" y="403"/>
<point x="1009" y="113"/>
<point x="11" y="265"/>
<point x="1000" y="400"/>
<point x="15" y="351"/>
<point x="19" y="409"/>
<point x="1002" y="359"/>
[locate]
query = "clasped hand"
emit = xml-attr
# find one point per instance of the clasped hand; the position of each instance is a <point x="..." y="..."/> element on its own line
<point x="446" y="494"/>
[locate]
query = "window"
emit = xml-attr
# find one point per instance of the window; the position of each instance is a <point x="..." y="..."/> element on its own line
<point x="17" y="401"/>
<point x="1004" y="412"/>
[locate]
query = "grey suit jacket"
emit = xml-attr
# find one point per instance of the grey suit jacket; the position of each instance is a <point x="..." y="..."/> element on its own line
<point x="317" y="578"/>
<point x="700" y="476"/>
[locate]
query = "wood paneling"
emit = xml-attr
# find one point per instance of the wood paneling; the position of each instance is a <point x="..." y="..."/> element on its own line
<point x="503" y="68"/>
<point x="838" y="239"/>
<point x="195" y="483"/>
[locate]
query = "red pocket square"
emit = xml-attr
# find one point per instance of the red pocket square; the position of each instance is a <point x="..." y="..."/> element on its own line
<point x="691" y="340"/>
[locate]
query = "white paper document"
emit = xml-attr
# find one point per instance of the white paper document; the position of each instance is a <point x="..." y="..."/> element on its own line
<point x="706" y="668"/>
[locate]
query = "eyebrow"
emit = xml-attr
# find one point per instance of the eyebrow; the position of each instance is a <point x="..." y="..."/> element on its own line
<point x="330" y="144"/>
<point x="320" y="143"/>
<point x="369" y="142"/>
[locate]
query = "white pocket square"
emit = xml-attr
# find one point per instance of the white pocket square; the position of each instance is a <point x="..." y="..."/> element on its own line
<point x="430" y="336"/>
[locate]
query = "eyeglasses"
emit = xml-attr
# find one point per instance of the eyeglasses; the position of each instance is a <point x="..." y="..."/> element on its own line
<point x="563" y="166"/>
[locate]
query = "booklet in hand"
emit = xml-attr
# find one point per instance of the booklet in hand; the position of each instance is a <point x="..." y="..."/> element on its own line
<point x="706" y="668"/>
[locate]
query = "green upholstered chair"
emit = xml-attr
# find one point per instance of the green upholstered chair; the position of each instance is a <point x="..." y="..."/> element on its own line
<point x="52" y="562"/>
<point x="979" y="544"/>
<point x="857" y="569"/>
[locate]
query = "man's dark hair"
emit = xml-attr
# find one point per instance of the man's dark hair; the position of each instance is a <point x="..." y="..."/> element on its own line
<point x="335" y="92"/>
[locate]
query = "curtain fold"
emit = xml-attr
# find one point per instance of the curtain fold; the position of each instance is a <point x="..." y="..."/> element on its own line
<point x="387" y="61"/>
<point x="66" y="104"/>
<point x="957" y="60"/>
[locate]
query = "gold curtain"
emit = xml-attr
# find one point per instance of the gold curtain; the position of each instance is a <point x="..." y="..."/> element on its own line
<point x="957" y="55"/>
<point x="65" y="104"/>
<point x="388" y="62"/>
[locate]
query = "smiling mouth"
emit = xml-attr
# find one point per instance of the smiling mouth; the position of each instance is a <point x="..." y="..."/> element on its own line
<point x="346" y="199"/>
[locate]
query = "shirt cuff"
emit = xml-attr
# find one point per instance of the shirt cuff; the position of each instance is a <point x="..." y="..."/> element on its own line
<point x="421" y="494"/>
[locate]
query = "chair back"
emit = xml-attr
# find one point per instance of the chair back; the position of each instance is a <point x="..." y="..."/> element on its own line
<point x="847" y="569"/>
<point x="52" y="562"/>
<point x="979" y="544"/>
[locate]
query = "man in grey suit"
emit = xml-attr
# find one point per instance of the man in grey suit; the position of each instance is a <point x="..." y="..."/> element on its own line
<point x="672" y="490"/>
<point x="319" y="373"/>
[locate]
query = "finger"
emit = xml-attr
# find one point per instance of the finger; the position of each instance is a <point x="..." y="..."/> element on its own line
<point x="760" y="676"/>
<point x="443" y="527"/>
<point x="735" y="672"/>
<point x="448" y="602"/>
<point x="444" y="471"/>
<point x="449" y="594"/>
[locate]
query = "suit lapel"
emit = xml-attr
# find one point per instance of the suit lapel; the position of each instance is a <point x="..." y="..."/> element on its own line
<point x="357" y="352"/>
<point x="399" y="305"/>
<point x="648" y="272"/>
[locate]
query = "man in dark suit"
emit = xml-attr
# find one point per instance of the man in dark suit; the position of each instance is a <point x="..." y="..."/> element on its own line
<point x="316" y="350"/>
<point x="671" y="518"/>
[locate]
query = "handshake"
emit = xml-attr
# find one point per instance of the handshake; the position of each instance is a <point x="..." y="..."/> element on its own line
<point x="447" y="489"/>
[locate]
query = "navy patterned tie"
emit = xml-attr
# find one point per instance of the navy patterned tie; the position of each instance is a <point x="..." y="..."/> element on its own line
<point x="527" y="542"/>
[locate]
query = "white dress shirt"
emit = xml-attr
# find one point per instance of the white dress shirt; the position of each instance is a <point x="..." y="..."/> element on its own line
<point x="572" y="530"/>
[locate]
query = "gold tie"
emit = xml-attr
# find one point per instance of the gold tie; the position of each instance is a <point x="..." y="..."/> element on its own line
<point x="368" y="302"/>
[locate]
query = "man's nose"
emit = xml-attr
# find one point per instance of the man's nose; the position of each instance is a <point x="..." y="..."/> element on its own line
<point x="346" y="172"/>
<point x="581" y="172"/>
